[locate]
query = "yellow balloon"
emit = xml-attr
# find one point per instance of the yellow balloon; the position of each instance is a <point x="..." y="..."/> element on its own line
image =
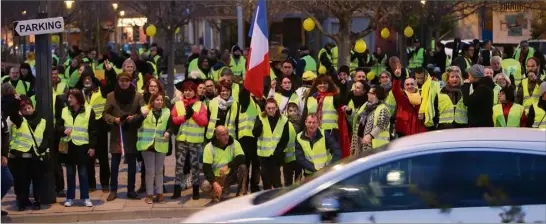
<point x="385" y="33"/>
<point x="322" y="70"/>
<point x="408" y="32"/>
<point x="370" y="76"/>
<point x="150" y="30"/>
<point x="360" y="46"/>
<point x="55" y="38"/>
<point x="309" y="24"/>
<point x="177" y="30"/>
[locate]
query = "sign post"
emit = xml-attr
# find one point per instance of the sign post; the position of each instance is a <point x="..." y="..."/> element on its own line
<point x="44" y="92"/>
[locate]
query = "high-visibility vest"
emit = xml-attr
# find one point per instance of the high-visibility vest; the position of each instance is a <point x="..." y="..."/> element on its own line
<point x="33" y="100"/>
<point x="140" y="83"/>
<point x="61" y="87"/>
<point x="540" y="114"/>
<point x="22" y="87"/>
<point x="21" y="138"/>
<point x="380" y="66"/>
<point x="32" y="62"/>
<point x="329" y="112"/>
<point x="154" y="68"/>
<point x="238" y="69"/>
<point x="384" y="136"/>
<point x="230" y="118"/>
<point x="67" y="62"/>
<point x="450" y="113"/>
<point x="416" y="61"/>
<point x="323" y="51"/>
<point x="310" y="64"/>
<point x="290" y="151"/>
<point x="219" y="158"/>
<point x="189" y="131"/>
<point x="530" y="54"/>
<point x="496" y="91"/>
<point x="335" y="57"/>
<point x="216" y="73"/>
<point x="514" y="116"/>
<point x="151" y="132"/>
<point x="512" y="67"/>
<point x="280" y="98"/>
<point x="79" y="126"/>
<point x="156" y="59"/>
<point x="55" y="59"/>
<point x="268" y="141"/>
<point x="71" y="79"/>
<point x="235" y="92"/>
<point x="355" y="113"/>
<point x="193" y="65"/>
<point x="529" y="100"/>
<point x="390" y="102"/>
<point x="247" y="119"/>
<point x="318" y="154"/>
<point x="97" y="103"/>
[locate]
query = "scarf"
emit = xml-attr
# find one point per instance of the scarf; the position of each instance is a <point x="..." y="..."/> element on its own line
<point x="189" y="102"/>
<point x="454" y="94"/>
<point x="387" y="87"/>
<point x="286" y="93"/>
<point x="124" y="96"/>
<point x="223" y="104"/>
<point x="370" y="107"/>
<point x="358" y="101"/>
<point x="414" y="98"/>
<point x="320" y="99"/>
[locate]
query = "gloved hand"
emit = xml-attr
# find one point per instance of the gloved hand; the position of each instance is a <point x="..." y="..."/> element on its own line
<point x="189" y="113"/>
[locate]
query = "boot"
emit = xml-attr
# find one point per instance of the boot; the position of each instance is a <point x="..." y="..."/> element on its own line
<point x="161" y="199"/>
<point x="177" y="192"/>
<point x="142" y="189"/>
<point x="112" y="196"/>
<point x="195" y="192"/>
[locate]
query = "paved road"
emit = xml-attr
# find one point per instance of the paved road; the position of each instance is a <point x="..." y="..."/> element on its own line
<point x="164" y="220"/>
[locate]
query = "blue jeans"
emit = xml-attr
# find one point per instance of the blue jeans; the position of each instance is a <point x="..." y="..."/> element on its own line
<point x="71" y="181"/>
<point x="131" y="169"/>
<point x="7" y="180"/>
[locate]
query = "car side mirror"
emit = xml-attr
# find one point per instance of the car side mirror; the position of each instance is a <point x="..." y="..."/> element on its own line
<point x="329" y="207"/>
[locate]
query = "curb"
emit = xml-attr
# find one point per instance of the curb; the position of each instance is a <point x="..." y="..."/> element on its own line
<point x="101" y="215"/>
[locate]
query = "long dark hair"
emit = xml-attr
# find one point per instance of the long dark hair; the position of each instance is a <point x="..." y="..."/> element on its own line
<point x="323" y="79"/>
<point x="76" y="93"/>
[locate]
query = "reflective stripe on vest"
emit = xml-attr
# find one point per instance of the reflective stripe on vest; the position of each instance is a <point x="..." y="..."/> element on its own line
<point x="21" y="138"/>
<point x="151" y="132"/>
<point x="384" y="136"/>
<point x="334" y="57"/>
<point x="238" y="68"/>
<point x="390" y="103"/>
<point x="540" y="117"/>
<point x="290" y="151"/>
<point x="97" y="103"/>
<point x="318" y="155"/>
<point x="247" y="119"/>
<point x="221" y="158"/>
<point x="189" y="131"/>
<point x="529" y="100"/>
<point x="329" y="112"/>
<point x="80" y="134"/>
<point x="450" y="113"/>
<point x="230" y="118"/>
<point x="268" y="141"/>
<point x="514" y="116"/>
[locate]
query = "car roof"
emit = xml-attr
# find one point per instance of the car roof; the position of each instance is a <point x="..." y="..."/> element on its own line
<point x="473" y="134"/>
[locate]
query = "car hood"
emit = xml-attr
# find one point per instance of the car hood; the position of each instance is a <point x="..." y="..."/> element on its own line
<point x="225" y="211"/>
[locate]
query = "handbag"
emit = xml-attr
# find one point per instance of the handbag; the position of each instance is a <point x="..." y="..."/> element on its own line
<point x="63" y="147"/>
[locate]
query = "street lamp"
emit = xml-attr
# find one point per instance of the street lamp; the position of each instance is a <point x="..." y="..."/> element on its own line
<point x="24" y="12"/>
<point x="122" y="13"/>
<point x="115" y="6"/>
<point x="68" y="4"/>
<point x="423" y="2"/>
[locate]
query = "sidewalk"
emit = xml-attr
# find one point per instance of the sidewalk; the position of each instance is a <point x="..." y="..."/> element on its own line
<point x="119" y="209"/>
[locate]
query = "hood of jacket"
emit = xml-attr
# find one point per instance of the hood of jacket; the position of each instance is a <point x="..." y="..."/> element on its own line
<point x="216" y="143"/>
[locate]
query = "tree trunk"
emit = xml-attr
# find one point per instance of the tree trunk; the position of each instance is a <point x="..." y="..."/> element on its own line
<point x="344" y="42"/>
<point x="170" y="64"/>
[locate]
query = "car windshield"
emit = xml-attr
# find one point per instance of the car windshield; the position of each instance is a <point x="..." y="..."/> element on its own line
<point x="269" y="195"/>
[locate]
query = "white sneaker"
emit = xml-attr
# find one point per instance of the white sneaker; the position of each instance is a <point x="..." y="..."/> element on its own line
<point x="88" y="203"/>
<point x="68" y="203"/>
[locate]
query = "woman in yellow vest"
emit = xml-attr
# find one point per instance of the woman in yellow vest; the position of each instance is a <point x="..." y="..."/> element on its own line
<point x="507" y="113"/>
<point x="28" y="145"/>
<point x="357" y="98"/>
<point x="374" y="121"/>
<point x="273" y="132"/>
<point x="536" y="118"/>
<point x="448" y="104"/>
<point x="249" y="110"/>
<point x="153" y="143"/>
<point x="71" y="73"/>
<point x="285" y="94"/>
<point x="191" y="115"/>
<point x="128" y="67"/>
<point x="79" y="132"/>
<point x="223" y="110"/>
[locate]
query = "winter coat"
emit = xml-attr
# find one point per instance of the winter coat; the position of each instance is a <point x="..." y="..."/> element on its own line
<point x="78" y="154"/>
<point x="479" y="103"/>
<point x="407" y="115"/>
<point x="114" y="110"/>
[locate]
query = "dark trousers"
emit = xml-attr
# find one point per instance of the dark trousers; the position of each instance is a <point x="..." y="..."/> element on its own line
<point x="101" y="153"/>
<point x="24" y="172"/>
<point x="250" y="149"/>
<point x="56" y="160"/>
<point x="291" y="172"/>
<point x="271" y="173"/>
<point x="71" y="181"/>
<point x="131" y="171"/>
<point x="7" y="180"/>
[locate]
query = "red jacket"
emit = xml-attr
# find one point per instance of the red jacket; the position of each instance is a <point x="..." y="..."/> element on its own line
<point x="407" y="115"/>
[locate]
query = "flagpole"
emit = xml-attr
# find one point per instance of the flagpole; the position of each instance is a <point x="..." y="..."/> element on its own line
<point x="240" y="27"/>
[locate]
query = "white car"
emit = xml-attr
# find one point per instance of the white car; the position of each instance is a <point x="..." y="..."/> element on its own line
<point x="476" y="175"/>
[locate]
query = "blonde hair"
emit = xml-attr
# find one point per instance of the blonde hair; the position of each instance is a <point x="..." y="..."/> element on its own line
<point x="128" y="60"/>
<point x="502" y="75"/>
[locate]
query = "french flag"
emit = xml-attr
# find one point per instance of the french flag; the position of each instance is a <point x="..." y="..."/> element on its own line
<point x="258" y="63"/>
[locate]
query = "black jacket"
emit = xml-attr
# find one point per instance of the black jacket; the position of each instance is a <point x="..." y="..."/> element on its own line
<point x="235" y="162"/>
<point x="78" y="154"/>
<point x="331" y="145"/>
<point x="531" y="115"/>
<point x="480" y="103"/>
<point x="33" y="120"/>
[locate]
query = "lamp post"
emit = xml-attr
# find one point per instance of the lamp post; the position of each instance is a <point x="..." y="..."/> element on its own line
<point x="121" y="15"/>
<point x="24" y="38"/>
<point x="115" y="8"/>
<point x="68" y="5"/>
<point x="422" y="25"/>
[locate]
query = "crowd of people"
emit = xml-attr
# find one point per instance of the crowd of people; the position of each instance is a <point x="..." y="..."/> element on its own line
<point x="311" y="115"/>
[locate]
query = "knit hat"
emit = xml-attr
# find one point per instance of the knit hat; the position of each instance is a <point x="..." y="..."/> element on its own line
<point x="309" y="76"/>
<point x="304" y="48"/>
<point x="344" y="68"/>
<point x="476" y="71"/>
<point x="542" y="89"/>
<point x="125" y="75"/>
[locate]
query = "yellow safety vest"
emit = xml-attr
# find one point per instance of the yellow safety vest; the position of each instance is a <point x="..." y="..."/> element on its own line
<point x="290" y="151"/>
<point x="416" y="61"/>
<point x="80" y="133"/>
<point x="384" y="136"/>
<point x="323" y="51"/>
<point x="514" y="116"/>
<point x="97" y="103"/>
<point x="540" y="114"/>
<point x="390" y="102"/>
<point x="140" y="83"/>
<point x="61" y="87"/>
<point x="496" y="91"/>
<point x="152" y="130"/>
<point x="230" y="118"/>
<point x="71" y="79"/>
<point x="450" y="113"/>
<point x="329" y="112"/>
<point x="268" y="141"/>
<point x="21" y="138"/>
<point x="219" y="158"/>
<point x="318" y="154"/>
<point x="154" y="67"/>
<point x="293" y="99"/>
<point x="247" y="119"/>
<point x="356" y="113"/>
<point x="512" y="67"/>
<point x="238" y="69"/>
<point x="334" y="57"/>
<point x="22" y="87"/>
<point x="189" y="131"/>
<point x="529" y="100"/>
